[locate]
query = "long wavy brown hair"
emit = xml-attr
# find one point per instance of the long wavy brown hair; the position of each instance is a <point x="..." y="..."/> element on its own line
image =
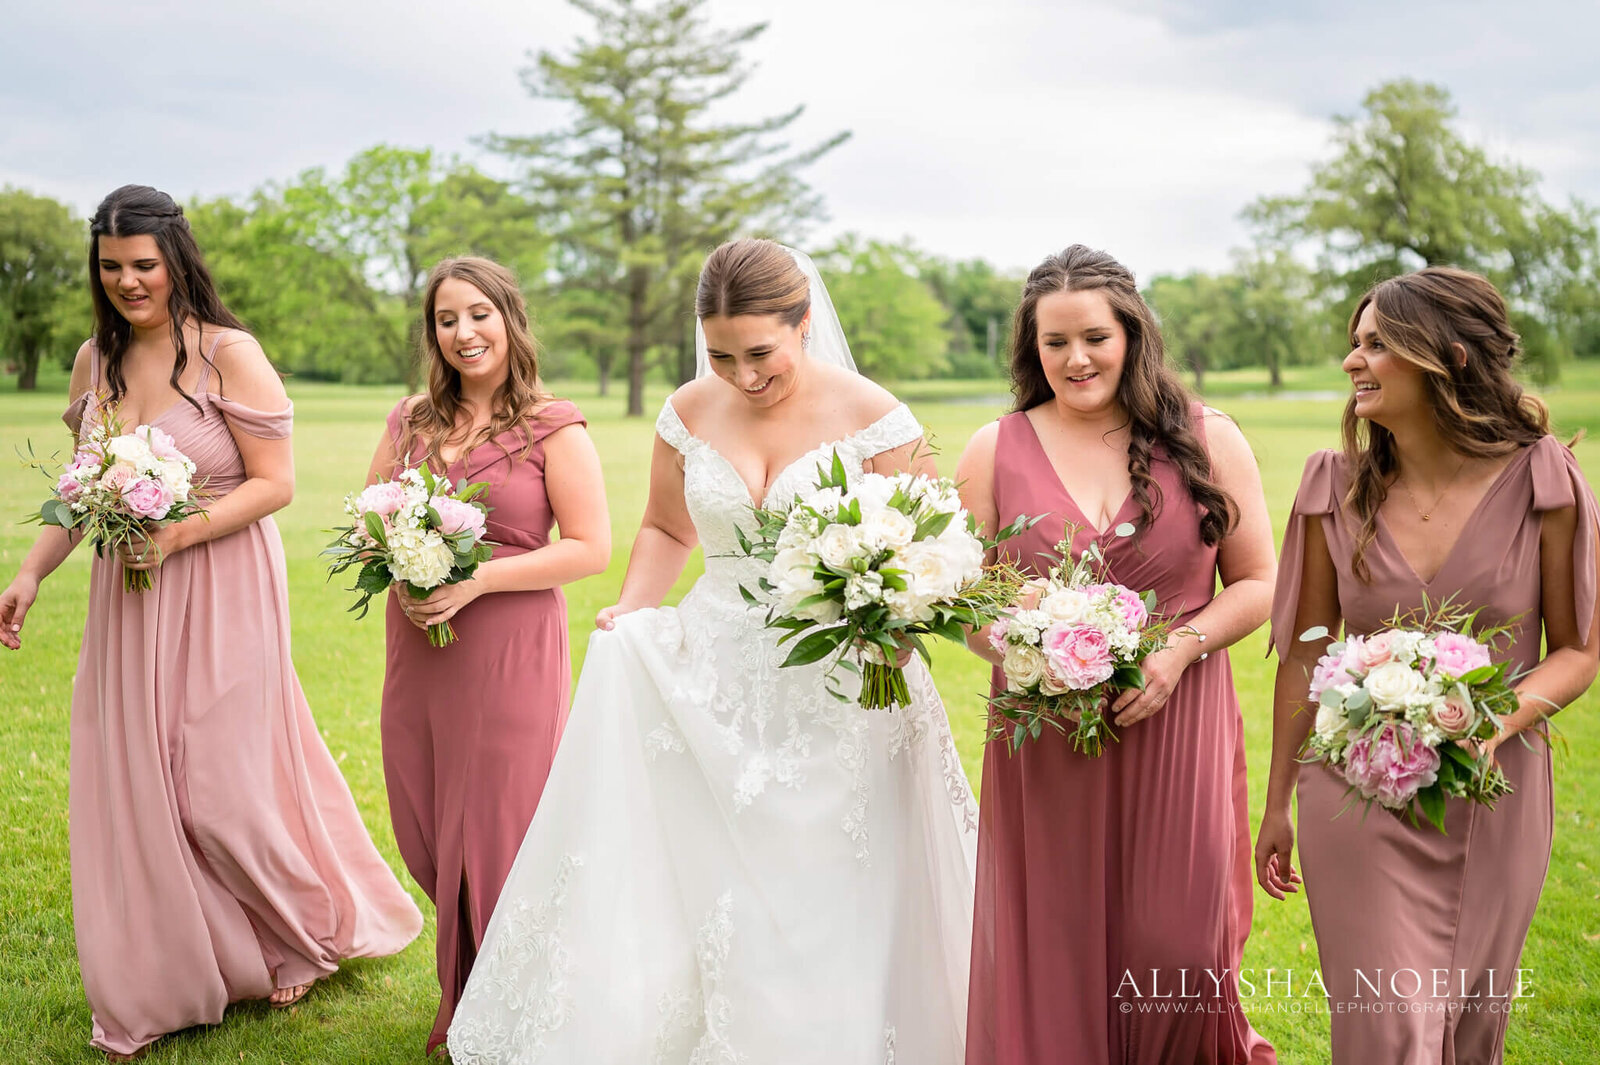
<point x="139" y="210"/>
<point x="432" y="419"/>
<point x="1160" y="409"/>
<point x="1478" y="408"/>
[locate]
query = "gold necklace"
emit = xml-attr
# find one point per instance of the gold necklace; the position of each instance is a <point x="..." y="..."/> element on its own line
<point x="1428" y="514"/>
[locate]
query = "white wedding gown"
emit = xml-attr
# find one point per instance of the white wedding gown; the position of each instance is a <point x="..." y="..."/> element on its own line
<point x="728" y="864"/>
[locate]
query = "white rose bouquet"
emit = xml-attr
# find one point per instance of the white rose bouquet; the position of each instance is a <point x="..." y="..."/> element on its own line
<point x="416" y="530"/>
<point x="120" y="486"/>
<point x="1066" y="656"/>
<point x="1399" y="711"/>
<point x="874" y="562"/>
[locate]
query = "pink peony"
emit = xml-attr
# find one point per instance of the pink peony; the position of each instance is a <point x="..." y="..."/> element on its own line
<point x="456" y="516"/>
<point x="1373" y="651"/>
<point x="162" y="445"/>
<point x="68" y="487"/>
<point x="1454" y="715"/>
<point x="1391" y="765"/>
<point x="1079" y="655"/>
<point x="997" y="634"/>
<point x="147" y="498"/>
<point x="382" y="499"/>
<point x="1456" y="655"/>
<point x="1331" y="671"/>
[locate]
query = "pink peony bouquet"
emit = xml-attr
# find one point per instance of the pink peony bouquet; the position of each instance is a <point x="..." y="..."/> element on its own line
<point x="120" y="487"/>
<point x="418" y="531"/>
<point x="1398" y="712"/>
<point x="1065" y="657"/>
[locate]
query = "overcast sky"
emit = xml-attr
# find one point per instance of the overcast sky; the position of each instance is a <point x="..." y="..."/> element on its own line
<point x="995" y="128"/>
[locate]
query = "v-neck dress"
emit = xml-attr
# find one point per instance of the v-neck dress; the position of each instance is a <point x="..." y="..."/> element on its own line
<point x="470" y="730"/>
<point x="1386" y="896"/>
<point x="216" y="850"/>
<point x="1101" y="879"/>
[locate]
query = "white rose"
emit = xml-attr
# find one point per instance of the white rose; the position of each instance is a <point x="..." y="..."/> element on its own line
<point x="1395" y="685"/>
<point x="1067" y="604"/>
<point x="887" y="527"/>
<point x="1330" y="724"/>
<point x="838" y="545"/>
<point x="132" y="450"/>
<point x="1024" y="666"/>
<point x="908" y="605"/>
<point x="928" y="571"/>
<point x="825" y="500"/>
<point x="793" y="577"/>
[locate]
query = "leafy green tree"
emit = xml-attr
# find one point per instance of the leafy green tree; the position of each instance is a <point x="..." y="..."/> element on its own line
<point x="1200" y="316"/>
<point x="643" y="178"/>
<point x="895" y="323"/>
<point x="981" y="301"/>
<point x="42" y="276"/>
<point x="1405" y="189"/>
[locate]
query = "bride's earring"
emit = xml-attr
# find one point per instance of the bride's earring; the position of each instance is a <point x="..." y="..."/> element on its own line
<point x="805" y="340"/>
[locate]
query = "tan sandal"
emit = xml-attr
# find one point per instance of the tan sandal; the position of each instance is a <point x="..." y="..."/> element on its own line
<point x="296" y="993"/>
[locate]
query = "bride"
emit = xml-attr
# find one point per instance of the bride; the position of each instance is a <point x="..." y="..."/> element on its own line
<point x="728" y="864"/>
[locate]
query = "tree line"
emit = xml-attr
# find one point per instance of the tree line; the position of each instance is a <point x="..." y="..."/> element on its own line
<point x="606" y="217"/>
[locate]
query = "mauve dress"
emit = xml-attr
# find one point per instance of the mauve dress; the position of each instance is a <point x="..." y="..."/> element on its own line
<point x="469" y="730"/>
<point x="1386" y="895"/>
<point x="1094" y="872"/>
<point x="216" y="850"/>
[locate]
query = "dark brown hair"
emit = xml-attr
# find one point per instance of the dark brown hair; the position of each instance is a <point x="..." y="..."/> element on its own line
<point x="752" y="277"/>
<point x="433" y="417"/>
<point x="1159" y="408"/>
<point x="139" y="210"/>
<point x="1478" y="408"/>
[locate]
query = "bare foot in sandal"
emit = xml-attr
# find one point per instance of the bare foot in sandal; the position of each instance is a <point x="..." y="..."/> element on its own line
<point x="284" y="997"/>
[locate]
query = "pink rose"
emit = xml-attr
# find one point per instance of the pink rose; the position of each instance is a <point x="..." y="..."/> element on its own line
<point x="162" y="445"/>
<point x="1456" y="655"/>
<point x="1453" y="716"/>
<point x="147" y="498"/>
<point x="1374" y="650"/>
<point x="117" y="476"/>
<point x="456" y="516"/>
<point x="68" y="487"/>
<point x="1079" y="655"/>
<point x="1391" y="765"/>
<point x="382" y="499"/>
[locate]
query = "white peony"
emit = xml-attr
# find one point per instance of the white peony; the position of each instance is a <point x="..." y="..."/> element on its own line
<point x="1394" y="685"/>
<point x="886" y="528"/>
<point x="1024" y="666"/>
<point x="873" y="491"/>
<point x="928" y="570"/>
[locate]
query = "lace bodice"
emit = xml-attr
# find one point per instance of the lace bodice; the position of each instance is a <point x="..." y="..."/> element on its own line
<point x="718" y="499"/>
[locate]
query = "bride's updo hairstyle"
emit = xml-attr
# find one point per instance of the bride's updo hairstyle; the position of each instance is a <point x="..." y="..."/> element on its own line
<point x="1478" y="407"/>
<point x="757" y="277"/>
<point x="1157" y="405"/>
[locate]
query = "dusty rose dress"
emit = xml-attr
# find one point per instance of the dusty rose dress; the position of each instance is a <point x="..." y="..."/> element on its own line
<point x="469" y="730"/>
<point x="216" y="850"/>
<point x="1387" y="896"/>
<point x="1099" y="879"/>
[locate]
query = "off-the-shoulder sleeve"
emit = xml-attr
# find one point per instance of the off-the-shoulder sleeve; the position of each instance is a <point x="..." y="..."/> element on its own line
<point x="274" y="425"/>
<point x="1559" y="483"/>
<point x="74" y="413"/>
<point x="1317" y="496"/>
<point x="670" y="427"/>
<point x="557" y="415"/>
<point x="896" y="429"/>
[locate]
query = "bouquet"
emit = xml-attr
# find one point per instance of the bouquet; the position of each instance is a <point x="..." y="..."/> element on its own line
<point x="1068" y="655"/>
<point x="875" y="562"/>
<point x="1397" y="711"/>
<point x="120" y="487"/>
<point x="417" y="530"/>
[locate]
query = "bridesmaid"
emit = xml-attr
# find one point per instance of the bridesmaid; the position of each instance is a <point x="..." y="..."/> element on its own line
<point x="217" y="854"/>
<point x="1449" y="484"/>
<point x="469" y="730"/>
<point x="1100" y="879"/>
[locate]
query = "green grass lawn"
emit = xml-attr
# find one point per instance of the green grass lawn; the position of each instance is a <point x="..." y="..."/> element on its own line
<point x="380" y="1011"/>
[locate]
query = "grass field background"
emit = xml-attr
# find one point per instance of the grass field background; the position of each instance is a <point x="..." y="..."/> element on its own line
<point x="380" y="1011"/>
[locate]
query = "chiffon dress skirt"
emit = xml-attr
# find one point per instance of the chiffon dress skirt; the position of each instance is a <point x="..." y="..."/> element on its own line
<point x="217" y="853"/>
<point x="1420" y="932"/>
<point x="469" y="730"/>
<point x="1114" y="893"/>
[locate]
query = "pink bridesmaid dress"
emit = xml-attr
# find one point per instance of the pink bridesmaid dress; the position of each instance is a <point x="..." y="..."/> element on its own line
<point x="1100" y="880"/>
<point x="470" y="730"/>
<point x="1389" y="899"/>
<point x="217" y="853"/>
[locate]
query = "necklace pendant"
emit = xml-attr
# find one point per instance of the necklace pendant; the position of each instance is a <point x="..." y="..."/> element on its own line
<point x="1427" y="517"/>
